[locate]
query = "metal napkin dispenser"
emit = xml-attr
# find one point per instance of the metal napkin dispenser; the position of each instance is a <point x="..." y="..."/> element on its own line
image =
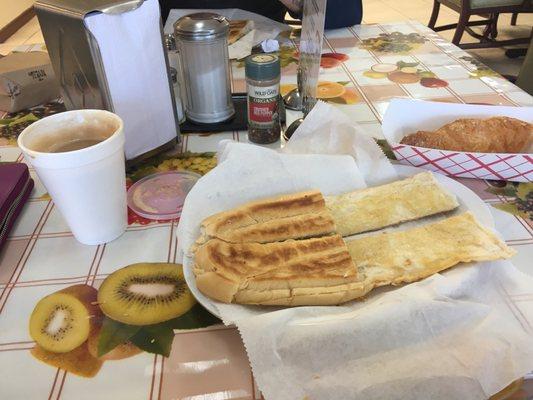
<point x="110" y="55"/>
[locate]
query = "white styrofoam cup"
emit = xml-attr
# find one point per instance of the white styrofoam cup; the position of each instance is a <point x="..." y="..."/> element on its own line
<point x="88" y="186"/>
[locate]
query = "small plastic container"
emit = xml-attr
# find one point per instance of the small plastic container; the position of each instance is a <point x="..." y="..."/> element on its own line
<point x="161" y="196"/>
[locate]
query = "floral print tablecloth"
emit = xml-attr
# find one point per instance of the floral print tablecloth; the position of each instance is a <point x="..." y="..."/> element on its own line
<point x="362" y="68"/>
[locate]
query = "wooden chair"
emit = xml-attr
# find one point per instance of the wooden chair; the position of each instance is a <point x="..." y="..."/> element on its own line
<point x="490" y="10"/>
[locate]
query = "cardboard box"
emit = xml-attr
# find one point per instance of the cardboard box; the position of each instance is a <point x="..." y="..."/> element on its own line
<point x="26" y="80"/>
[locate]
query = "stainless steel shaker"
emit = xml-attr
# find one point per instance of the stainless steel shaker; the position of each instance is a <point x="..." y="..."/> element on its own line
<point x="90" y="66"/>
<point x="202" y="41"/>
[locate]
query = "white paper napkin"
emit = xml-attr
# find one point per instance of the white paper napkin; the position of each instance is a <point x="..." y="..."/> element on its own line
<point x="141" y="97"/>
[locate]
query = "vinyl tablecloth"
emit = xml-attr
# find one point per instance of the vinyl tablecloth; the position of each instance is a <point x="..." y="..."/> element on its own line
<point x="41" y="255"/>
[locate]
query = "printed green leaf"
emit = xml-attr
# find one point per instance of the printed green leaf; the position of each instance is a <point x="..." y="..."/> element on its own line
<point x="114" y="333"/>
<point x="508" y="191"/>
<point x="385" y="147"/>
<point x="401" y="64"/>
<point x="510" y="208"/>
<point x="7" y="121"/>
<point x="142" y="172"/>
<point x="196" y="317"/>
<point x="344" y="83"/>
<point x="336" y="100"/>
<point x="155" y="339"/>
<point x="285" y="62"/>
<point x="18" y="119"/>
<point x="523" y="190"/>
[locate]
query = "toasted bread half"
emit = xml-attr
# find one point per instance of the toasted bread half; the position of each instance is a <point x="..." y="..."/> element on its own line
<point x="294" y="272"/>
<point x="294" y="216"/>
<point x="377" y="207"/>
<point x="406" y="256"/>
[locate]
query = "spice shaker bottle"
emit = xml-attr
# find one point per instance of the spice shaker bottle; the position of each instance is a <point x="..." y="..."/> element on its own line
<point x="262" y="81"/>
<point x="202" y="41"/>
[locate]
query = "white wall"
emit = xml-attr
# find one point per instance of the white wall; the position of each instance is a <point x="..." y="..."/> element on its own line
<point x="11" y="9"/>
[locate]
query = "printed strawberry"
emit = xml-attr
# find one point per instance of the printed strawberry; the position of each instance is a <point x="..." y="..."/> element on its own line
<point x="337" y="56"/>
<point x="326" y="62"/>
<point x="433" y="83"/>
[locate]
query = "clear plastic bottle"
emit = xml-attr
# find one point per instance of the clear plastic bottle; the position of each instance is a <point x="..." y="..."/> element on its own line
<point x="262" y="81"/>
<point x="173" y="61"/>
<point x="177" y="94"/>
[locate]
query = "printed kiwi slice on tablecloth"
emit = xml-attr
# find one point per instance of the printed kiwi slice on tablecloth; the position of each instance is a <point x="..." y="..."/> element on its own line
<point x="78" y="328"/>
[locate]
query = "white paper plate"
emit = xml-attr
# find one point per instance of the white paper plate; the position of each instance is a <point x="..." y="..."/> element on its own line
<point x="468" y="201"/>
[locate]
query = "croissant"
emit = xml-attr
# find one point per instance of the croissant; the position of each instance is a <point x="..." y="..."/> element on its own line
<point x="492" y="135"/>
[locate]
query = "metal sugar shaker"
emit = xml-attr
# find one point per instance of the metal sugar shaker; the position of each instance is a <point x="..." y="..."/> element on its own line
<point x="202" y="42"/>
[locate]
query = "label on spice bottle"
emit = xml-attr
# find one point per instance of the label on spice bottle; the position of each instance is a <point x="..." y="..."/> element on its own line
<point x="263" y="105"/>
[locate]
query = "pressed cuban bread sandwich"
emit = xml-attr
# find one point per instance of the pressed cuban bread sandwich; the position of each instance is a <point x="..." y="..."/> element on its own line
<point x="289" y="250"/>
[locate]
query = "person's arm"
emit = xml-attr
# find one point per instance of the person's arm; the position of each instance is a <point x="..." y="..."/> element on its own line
<point x="293" y="5"/>
<point x="339" y="13"/>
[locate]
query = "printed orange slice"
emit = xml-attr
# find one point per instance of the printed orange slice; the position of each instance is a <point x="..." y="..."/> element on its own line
<point x="329" y="90"/>
<point x="286" y="88"/>
<point x="409" y="70"/>
<point x="403" y="77"/>
<point x="374" y="75"/>
<point x="426" y="74"/>
<point x="350" y="96"/>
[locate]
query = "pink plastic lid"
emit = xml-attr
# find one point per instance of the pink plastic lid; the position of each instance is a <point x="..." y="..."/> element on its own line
<point x="161" y="195"/>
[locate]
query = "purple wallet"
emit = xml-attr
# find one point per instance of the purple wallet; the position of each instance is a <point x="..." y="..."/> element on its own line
<point x="15" y="188"/>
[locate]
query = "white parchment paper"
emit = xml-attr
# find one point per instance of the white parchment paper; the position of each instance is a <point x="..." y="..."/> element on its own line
<point x="331" y="154"/>
<point x="247" y="172"/>
<point x="330" y="130"/>
<point x="464" y="334"/>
